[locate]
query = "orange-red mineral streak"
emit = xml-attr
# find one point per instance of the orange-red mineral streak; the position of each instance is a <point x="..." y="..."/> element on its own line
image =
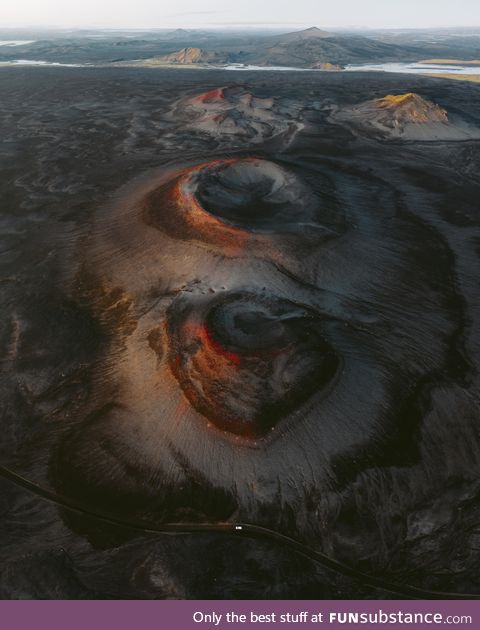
<point x="212" y="96"/>
<point x="234" y="239"/>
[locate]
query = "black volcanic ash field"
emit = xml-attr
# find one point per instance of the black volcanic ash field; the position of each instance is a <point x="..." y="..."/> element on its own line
<point x="207" y="325"/>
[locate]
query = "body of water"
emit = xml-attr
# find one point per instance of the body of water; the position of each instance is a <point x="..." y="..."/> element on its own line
<point x="34" y="62"/>
<point x="16" y="42"/>
<point x="408" y="68"/>
<point x="241" y="66"/>
<point x="414" y="68"/>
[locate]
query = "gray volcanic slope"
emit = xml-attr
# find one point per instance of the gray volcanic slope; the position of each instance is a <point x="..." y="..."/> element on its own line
<point x="313" y="46"/>
<point x="225" y="304"/>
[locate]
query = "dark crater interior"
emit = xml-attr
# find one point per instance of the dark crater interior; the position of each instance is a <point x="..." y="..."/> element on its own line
<point x="255" y="194"/>
<point x="245" y="361"/>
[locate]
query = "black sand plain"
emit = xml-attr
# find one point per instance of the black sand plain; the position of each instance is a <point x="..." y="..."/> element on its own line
<point x="274" y="326"/>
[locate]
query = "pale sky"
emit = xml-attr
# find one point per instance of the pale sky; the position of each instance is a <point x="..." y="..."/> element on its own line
<point x="220" y="13"/>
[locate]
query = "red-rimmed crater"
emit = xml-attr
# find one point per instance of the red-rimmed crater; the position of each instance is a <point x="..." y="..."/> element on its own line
<point x="232" y="201"/>
<point x="245" y="361"/>
<point x="254" y="194"/>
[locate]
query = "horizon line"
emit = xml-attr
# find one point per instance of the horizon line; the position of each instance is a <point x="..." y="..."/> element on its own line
<point x="231" y="25"/>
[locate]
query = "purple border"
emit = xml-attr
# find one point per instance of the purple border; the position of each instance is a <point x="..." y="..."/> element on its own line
<point x="178" y="615"/>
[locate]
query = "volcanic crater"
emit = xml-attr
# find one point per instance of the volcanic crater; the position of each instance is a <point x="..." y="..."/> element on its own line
<point x="247" y="360"/>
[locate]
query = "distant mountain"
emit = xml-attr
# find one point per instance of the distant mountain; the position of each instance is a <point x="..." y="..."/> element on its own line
<point x="184" y="35"/>
<point x="309" y="33"/>
<point x="179" y="32"/>
<point x="313" y="47"/>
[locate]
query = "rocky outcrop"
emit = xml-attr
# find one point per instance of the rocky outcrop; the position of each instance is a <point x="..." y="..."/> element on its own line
<point x="407" y="116"/>
<point x="404" y="109"/>
<point x="190" y="55"/>
<point x="327" y="66"/>
<point x="234" y="112"/>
